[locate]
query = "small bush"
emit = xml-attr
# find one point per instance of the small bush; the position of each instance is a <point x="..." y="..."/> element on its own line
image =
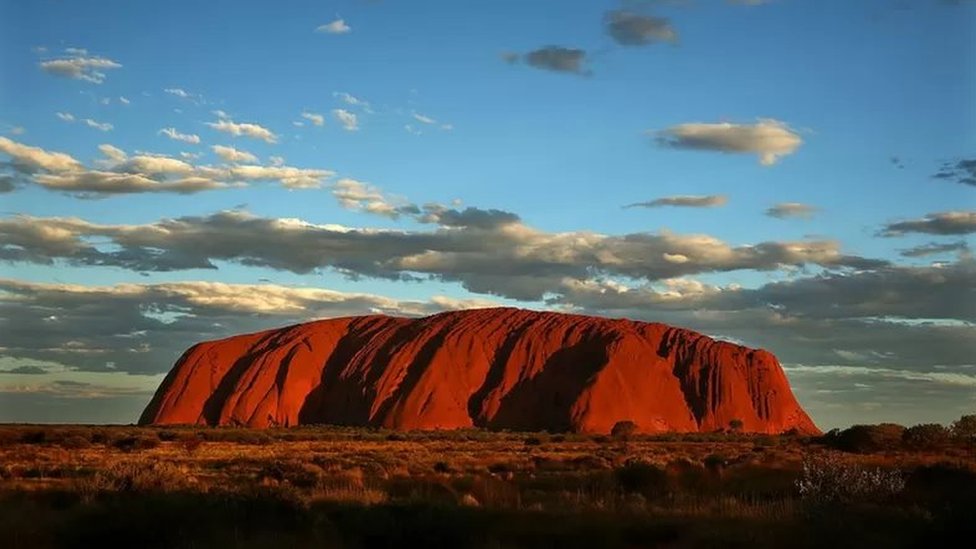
<point x="866" y="438"/>
<point x="533" y="441"/>
<point x="828" y="480"/>
<point x="442" y="467"/>
<point x="715" y="463"/>
<point x="136" y="443"/>
<point x="623" y="429"/>
<point x="637" y="477"/>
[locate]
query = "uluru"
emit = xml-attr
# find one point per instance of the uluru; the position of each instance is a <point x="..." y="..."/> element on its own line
<point x="497" y="368"/>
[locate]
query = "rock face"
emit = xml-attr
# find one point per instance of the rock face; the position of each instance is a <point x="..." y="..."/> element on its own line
<point x="494" y="368"/>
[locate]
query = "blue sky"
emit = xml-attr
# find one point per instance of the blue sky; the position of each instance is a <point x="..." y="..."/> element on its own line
<point x="871" y="101"/>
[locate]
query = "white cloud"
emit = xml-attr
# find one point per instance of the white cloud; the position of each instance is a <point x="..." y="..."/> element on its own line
<point x="173" y="134"/>
<point x="769" y="139"/>
<point x="70" y="118"/>
<point x="114" y="154"/>
<point x="246" y="129"/>
<point x="424" y="119"/>
<point x="124" y="100"/>
<point x="79" y="65"/>
<point x="349" y="121"/>
<point x="230" y="154"/>
<point x="100" y="126"/>
<point x="338" y="26"/>
<point x="183" y="94"/>
<point x="314" y="118"/>
<point x="350" y="99"/>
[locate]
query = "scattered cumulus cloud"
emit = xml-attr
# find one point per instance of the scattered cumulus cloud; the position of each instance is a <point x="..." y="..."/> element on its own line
<point x="940" y="223"/>
<point x="769" y="139"/>
<point x="359" y="196"/>
<point x="428" y="121"/>
<point x="960" y="171"/>
<point x="173" y="134"/>
<point x="246" y="129"/>
<point x="100" y="126"/>
<point x="350" y="99"/>
<point x="935" y="248"/>
<point x="314" y="118"/>
<point x="556" y="58"/>
<point x="70" y="118"/>
<point x="80" y="65"/>
<point x="232" y="155"/>
<point x="349" y="120"/>
<point x="120" y="173"/>
<point x="338" y="26"/>
<point x="28" y="159"/>
<point x="785" y="210"/>
<point x="632" y="29"/>
<point x="688" y="201"/>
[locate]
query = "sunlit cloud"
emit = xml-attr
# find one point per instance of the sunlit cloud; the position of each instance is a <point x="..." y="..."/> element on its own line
<point x="175" y="135"/>
<point x="769" y="139"/>
<point x="80" y="65"/>
<point x="246" y="129"/>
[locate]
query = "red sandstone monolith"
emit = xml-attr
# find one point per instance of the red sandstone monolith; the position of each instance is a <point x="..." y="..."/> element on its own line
<point x="499" y="368"/>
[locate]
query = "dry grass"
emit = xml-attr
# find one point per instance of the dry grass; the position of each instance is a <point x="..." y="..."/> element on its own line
<point x="472" y="476"/>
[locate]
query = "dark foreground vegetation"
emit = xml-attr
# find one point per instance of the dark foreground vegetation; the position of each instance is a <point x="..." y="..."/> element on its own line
<point x="867" y="486"/>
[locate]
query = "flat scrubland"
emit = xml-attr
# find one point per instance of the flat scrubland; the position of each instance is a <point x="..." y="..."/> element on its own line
<point x="96" y="486"/>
